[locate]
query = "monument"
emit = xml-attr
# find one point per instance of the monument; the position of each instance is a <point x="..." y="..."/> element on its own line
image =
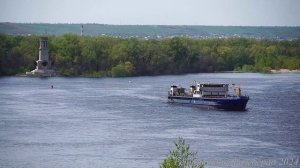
<point x="43" y="65"/>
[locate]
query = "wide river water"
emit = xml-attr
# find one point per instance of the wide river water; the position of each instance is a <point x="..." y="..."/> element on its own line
<point x="127" y="122"/>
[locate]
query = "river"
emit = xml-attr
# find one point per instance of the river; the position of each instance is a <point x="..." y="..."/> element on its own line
<point x="127" y="122"/>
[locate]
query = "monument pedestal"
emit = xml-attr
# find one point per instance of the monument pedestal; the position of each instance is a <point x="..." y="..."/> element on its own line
<point x="41" y="73"/>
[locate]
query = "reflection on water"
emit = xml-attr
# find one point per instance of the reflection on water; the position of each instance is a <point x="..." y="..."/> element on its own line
<point x="127" y="122"/>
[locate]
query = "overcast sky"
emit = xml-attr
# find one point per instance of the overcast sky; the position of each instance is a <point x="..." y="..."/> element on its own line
<point x="158" y="12"/>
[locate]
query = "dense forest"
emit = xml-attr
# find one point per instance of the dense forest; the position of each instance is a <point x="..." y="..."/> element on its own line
<point x="73" y="55"/>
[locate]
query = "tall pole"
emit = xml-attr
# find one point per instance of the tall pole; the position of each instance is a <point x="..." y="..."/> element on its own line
<point x="81" y="30"/>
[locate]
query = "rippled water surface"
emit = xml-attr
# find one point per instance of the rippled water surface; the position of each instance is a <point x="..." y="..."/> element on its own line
<point x="127" y="122"/>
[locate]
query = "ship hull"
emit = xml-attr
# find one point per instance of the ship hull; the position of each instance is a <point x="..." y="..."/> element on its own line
<point x="236" y="103"/>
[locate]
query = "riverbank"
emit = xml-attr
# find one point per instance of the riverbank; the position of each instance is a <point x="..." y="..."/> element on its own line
<point x="285" y="71"/>
<point x="103" y="75"/>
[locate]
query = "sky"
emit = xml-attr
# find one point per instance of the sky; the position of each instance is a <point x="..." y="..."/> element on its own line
<point x="154" y="12"/>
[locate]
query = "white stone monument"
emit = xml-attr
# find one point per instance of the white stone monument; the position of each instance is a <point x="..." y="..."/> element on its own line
<point x="43" y="67"/>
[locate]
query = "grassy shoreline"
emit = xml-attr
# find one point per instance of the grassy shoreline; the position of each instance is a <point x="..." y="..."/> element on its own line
<point x="93" y="75"/>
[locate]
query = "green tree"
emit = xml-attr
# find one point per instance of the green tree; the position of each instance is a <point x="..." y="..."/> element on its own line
<point x="68" y="57"/>
<point x="29" y="49"/>
<point x="123" y="70"/>
<point x="98" y="56"/>
<point x="181" y="157"/>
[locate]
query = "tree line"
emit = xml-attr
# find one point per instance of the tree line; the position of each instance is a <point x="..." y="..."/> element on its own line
<point x="73" y="55"/>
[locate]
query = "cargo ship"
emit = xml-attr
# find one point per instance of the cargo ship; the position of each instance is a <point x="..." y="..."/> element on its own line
<point x="210" y="96"/>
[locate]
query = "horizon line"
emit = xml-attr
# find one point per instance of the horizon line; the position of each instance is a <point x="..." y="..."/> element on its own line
<point x="89" y="23"/>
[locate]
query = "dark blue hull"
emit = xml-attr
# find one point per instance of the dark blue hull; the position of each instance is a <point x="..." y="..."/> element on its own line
<point x="237" y="103"/>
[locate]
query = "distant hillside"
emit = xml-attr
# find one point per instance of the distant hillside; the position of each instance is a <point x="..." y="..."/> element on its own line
<point x="153" y="31"/>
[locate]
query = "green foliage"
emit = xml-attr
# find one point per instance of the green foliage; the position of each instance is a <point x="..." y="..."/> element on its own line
<point x="68" y="72"/>
<point x="94" y="74"/>
<point x="104" y="56"/>
<point x="122" y="70"/>
<point x="181" y="157"/>
<point x="291" y="63"/>
<point x="247" y="68"/>
<point x="266" y="70"/>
